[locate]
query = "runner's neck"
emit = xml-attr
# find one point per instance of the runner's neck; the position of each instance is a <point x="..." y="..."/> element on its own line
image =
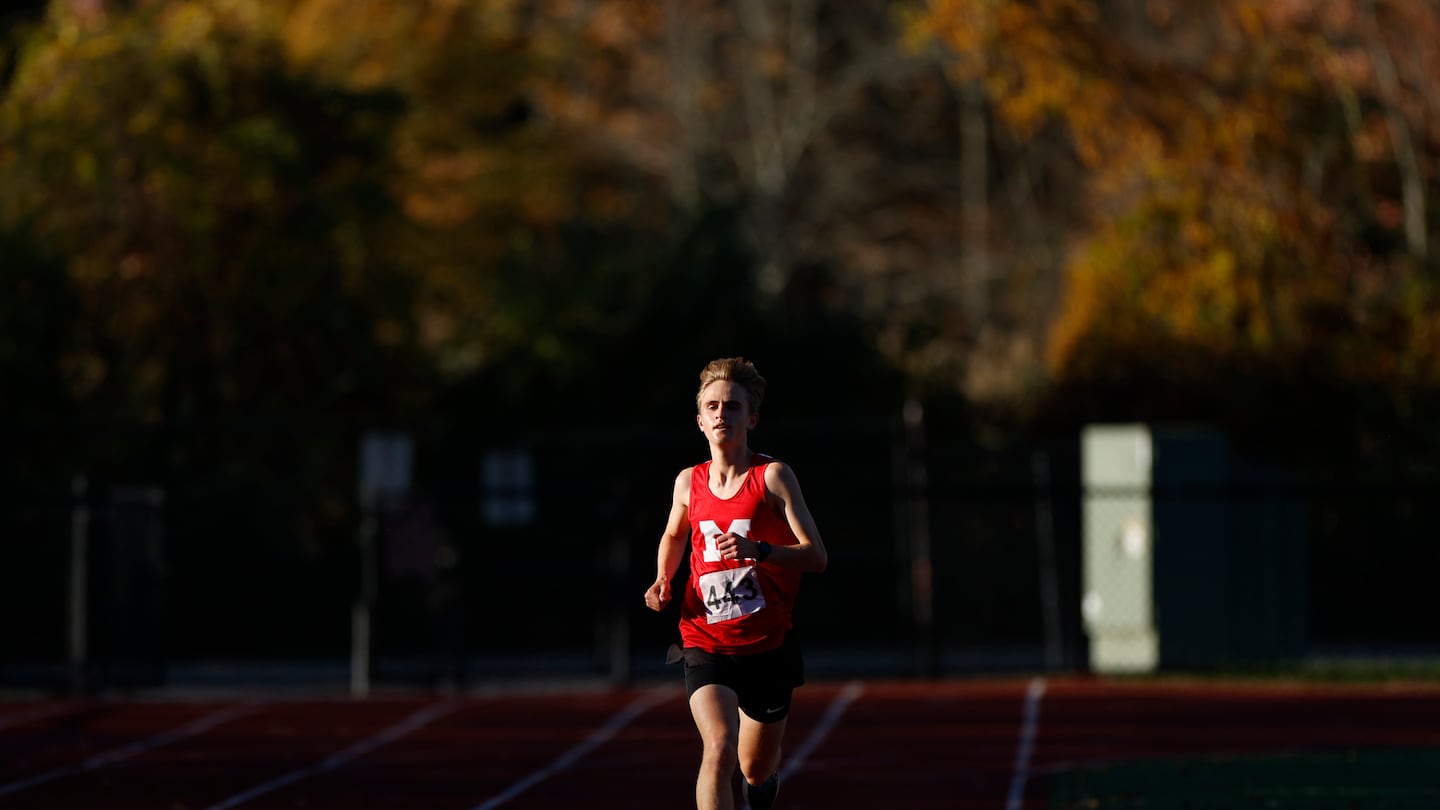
<point x="728" y="470"/>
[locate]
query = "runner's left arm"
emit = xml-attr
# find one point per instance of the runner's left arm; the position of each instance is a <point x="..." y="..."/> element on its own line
<point x="809" y="553"/>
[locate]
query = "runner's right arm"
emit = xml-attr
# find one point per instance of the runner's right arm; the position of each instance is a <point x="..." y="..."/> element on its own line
<point x="672" y="544"/>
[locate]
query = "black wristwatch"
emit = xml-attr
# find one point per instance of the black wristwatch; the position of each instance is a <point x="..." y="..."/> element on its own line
<point x="762" y="552"/>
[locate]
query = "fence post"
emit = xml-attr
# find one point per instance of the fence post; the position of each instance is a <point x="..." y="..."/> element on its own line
<point x="77" y="645"/>
<point x="921" y="571"/>
<point x="360" y="644"/>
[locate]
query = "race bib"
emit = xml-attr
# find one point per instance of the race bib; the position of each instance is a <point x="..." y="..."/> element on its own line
<point x="730" y="594"/>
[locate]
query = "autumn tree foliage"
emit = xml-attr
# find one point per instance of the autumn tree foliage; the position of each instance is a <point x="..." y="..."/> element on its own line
<point x="840" y="148"/>
<point x="1258" y="180"/>
<point x="297" y="207"/>
<point x="1009" y="195"/>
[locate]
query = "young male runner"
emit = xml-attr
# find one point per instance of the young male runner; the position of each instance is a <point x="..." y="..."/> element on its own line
<point x="751" y="537"/>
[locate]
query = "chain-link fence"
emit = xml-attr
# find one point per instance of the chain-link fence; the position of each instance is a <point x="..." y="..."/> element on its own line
<point x="516" y="560"/>
<point x="1193" y="558"/>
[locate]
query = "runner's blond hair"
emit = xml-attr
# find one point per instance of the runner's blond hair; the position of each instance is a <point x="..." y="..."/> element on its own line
<point x="737" y="370"/>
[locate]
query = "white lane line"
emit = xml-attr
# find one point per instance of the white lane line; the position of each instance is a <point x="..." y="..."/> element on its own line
<point x="418" y="718"/>
<point x="837" y="707"/>
<point x="113" y="756"/>
<point x="1026" y="747"/>
<point x="621" y="719"/>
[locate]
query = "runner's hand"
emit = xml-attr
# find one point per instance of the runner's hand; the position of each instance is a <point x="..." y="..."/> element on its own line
<point x="658" y="595"/>
<point x="733" y="546"/>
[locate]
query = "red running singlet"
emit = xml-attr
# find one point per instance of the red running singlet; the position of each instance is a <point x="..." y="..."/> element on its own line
<point x="736" y="606"/>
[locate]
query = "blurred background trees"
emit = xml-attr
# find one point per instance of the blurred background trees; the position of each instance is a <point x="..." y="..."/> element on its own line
<point x="1007" y="199"/>
<point x="1254" y="184"/>
<point x="235" y="234"/>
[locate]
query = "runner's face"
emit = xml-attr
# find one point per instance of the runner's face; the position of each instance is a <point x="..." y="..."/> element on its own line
<point x="725" y="412"/>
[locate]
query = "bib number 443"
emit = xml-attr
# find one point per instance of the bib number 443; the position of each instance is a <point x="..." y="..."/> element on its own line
<point x="730" y="594"/>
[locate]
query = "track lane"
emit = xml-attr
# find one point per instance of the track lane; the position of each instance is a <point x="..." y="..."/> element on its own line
<point x="932" y="744"/>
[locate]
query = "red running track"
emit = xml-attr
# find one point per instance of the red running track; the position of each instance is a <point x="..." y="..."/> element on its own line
<point x="945" y="744"/>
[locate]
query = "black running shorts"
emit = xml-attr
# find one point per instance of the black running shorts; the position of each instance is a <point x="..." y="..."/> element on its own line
<point x="762" y="681"/>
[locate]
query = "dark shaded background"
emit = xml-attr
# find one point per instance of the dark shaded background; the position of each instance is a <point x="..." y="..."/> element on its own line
<point x="222" y="266"/>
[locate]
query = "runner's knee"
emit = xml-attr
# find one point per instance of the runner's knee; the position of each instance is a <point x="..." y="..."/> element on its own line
<point x="721" y="754"/>
<point x="758" y="765"/>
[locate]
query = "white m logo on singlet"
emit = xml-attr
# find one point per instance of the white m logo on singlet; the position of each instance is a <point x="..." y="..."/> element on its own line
<point x="712" y="532"/>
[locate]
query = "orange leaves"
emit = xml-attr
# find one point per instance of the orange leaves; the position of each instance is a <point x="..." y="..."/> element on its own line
<point x="441" y="196"/>
<point x="964" y="27"/>
<point x="1020" y="50"/>
<point x="1234" y="151"/>
<point x="364" y="43"/>
<point x="1216" y="271"/>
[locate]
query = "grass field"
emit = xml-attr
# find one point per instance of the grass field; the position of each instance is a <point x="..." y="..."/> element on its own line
<point x="1354" y="778"/>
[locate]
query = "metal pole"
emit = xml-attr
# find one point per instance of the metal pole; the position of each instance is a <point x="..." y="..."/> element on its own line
<point x="360" y="643"/>
<point x="78" y="602"/>
<point x="921" y="571"/>
<point x="900" y="475"/>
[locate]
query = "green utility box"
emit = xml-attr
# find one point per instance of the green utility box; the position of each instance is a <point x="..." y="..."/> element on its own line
<point x="1192" y="559"/>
